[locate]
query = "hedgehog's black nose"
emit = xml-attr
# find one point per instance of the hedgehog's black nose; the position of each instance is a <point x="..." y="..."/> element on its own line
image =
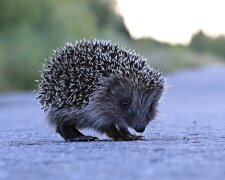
<point x="140" y="129"/>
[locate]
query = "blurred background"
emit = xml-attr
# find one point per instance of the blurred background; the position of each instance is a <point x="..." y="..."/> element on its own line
<point x="173" y="34"/>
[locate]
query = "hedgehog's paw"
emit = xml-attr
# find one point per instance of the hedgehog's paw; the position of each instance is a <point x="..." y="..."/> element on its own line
<point x="82" y="138"/>
<point x="130" y="137"/>
<point x="136" y="137"/>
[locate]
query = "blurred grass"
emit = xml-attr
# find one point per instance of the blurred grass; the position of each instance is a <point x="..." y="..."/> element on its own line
<point x="170" y="59"/>
<point x="30" y="29"/>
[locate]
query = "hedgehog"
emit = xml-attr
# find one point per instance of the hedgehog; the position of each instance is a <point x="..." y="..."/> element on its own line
<point x="99" y="85"/>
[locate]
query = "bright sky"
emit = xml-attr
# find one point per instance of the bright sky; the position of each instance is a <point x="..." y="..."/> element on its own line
<point x="173" y="21"/>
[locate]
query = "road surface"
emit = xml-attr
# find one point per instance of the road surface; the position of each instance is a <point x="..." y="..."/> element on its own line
<point x="187" y="141"/>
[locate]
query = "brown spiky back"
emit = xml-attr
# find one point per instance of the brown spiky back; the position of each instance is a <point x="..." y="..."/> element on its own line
<point x="75" y="71"/>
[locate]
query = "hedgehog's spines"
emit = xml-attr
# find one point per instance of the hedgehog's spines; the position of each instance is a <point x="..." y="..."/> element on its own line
<point x="74" y="71"/>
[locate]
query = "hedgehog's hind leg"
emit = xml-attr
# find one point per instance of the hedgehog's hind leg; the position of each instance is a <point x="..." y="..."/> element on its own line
<point x="70" y="133"/>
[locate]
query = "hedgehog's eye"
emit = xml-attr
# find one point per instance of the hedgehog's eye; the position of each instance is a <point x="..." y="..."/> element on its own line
<point x="125" y="103"/>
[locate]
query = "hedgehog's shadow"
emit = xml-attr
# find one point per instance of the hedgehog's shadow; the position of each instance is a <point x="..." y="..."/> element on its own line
<point x="62" y="142"/>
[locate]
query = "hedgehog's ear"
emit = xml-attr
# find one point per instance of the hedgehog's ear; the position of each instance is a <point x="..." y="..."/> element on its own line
<point x="116" y="84"/>
<point x="111" y="84"/>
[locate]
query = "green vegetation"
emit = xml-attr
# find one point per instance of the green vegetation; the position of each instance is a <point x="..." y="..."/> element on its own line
<point x="202" y="43"/>
<point x="30" y="29"/>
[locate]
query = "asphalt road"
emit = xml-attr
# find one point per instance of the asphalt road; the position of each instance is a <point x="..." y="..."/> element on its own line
<point x="187" y="141"/>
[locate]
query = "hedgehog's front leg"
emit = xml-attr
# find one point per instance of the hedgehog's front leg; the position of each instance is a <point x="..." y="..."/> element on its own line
<point x="131" y="136"/>
<point x="123" y="135"/>
<point x="70" y="133"/>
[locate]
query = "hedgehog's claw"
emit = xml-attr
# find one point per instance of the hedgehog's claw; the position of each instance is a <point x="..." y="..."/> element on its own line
<point x="82" y="138"/>
<point x="136" y="137"/>
<point x="130" y="137"/>
<point x="133" y="137"/>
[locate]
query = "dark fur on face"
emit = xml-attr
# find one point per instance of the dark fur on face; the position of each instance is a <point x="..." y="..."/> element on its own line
<point x="126" y="104"/>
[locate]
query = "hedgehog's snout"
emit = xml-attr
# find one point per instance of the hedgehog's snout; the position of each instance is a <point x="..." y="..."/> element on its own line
<point x="140" y="129"/>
